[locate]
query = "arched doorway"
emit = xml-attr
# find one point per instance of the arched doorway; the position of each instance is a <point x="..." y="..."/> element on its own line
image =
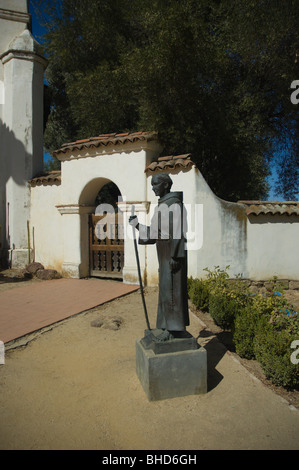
<point x="87" y="165"/>
<point x="106" y="235"/>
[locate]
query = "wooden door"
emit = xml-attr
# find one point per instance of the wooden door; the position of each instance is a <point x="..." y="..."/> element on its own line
<point x="106" y="245"/>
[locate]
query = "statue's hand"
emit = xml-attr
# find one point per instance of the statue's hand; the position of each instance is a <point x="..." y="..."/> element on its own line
<point x="133" y="220"/>
<point x="174" y="265"/>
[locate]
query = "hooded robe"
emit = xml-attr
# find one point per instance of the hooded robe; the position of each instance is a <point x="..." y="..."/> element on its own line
<point x="168" y="231"/>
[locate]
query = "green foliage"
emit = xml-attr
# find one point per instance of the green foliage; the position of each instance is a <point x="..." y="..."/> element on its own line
<point x="227" y="298"/>
<point x="200" y="289"/>
<point x="213" y="78"/>
<point x="272" y="346"/>
<point x="217" y="277"/>
<point x="246" y="322"/>
<point x="263" y="325"/>
<point x="244" y="332"/>
<point x="223" y="308"/>
<point x="199" y="292"/>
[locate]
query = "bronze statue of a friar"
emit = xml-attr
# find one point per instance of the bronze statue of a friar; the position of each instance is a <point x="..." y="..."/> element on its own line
<point x="168" y="231"/>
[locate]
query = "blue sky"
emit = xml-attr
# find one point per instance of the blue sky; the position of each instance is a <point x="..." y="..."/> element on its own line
<point x="37" y="31"/>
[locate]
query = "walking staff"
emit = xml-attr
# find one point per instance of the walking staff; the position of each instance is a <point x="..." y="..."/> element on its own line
<point x="139" y="272"/>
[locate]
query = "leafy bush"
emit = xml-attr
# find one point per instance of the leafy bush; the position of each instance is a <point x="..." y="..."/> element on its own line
<point x="190" y="281"/>
<point x="272" y="347"/>
<point x="217" y="278"/>
<point x="223" y="308"/>
<point x="199" y="292"/>
<point x="227" y="300"/>
<point x="244" y="331"/>
<point x="246" y="322"/>
<point x="265" y="330"/>
<point x="263" y="325"/>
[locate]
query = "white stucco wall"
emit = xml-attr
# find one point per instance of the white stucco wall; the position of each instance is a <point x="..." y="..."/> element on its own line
<point x="13" y="21"/>
<point x="23" y="143"/>
<point x="273" y="246"/>
<point x="46" y="223"/>
<point x="122" y="165"/>
<point x="83" y="175"/>
<point x="255" y="247"/>
<point x="21" y="125"/>
<point x="216" y="228"/>
<point x="220" y="233"/>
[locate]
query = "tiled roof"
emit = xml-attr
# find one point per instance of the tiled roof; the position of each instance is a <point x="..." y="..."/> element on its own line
<point x="171" y="162"/>
<point x="53" y="177"/>
<point x="107" y="139"/>
<point x="271" y="207"/>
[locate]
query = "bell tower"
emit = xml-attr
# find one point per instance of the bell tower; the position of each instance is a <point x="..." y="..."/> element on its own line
<point x="22" y="68"/>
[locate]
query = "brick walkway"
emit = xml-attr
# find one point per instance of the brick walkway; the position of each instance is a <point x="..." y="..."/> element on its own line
<point x="29" y="308"/>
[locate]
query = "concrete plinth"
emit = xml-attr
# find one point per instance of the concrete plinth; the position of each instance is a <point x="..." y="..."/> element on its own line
<point x="173" y="374"/>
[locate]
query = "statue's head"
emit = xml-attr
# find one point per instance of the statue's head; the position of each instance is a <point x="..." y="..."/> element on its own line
<point x="161" y="184"/>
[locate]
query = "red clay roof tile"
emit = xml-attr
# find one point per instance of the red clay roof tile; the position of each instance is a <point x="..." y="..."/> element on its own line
<point x="271" y="207"/>
<point x="171" y="162"/>
<point x="107" y="139"/>
<point x="53" y="177"/>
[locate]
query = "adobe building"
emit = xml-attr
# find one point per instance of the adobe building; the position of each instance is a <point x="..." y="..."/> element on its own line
<point x="55" y="219"/>
<point x="257" y="239"/>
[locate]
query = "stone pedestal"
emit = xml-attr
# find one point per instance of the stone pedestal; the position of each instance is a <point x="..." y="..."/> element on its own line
<point x="174" y="373"/>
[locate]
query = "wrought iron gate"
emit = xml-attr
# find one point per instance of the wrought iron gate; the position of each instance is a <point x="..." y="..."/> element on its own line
<point x="106" y="245"/>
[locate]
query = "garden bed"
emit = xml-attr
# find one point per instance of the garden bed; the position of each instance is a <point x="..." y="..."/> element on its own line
<point x="261" y="328"/>
<point x="252" y="365"/>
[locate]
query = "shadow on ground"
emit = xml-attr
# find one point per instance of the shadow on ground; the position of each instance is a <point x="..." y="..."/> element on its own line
<point x="215" y="351"/>
<point x="14" y="275"/>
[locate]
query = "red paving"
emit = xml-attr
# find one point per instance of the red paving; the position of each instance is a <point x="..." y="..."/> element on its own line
<point x="28" y="308"/>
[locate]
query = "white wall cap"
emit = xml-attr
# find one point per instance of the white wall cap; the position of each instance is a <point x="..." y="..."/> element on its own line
<point x="24" y="44"/>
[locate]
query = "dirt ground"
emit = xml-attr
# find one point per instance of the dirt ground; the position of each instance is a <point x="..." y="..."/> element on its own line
<point x="74" y="386"/>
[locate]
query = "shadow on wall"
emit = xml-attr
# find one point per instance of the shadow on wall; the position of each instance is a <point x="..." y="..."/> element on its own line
<point x="14" y="163"/>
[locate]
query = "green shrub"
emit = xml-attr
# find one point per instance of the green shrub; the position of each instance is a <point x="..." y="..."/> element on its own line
<point x="190" y="281"/>
<point x="227" y="301"/>
<point x="272" y="347"/>
<point x="199" y="292"/>
<point x="246" y="322"/>
<point x="223" y="308"/>
<point x="217" y="277"/>
<point x="244" y="331"/>
<point x="263" y="325"/>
